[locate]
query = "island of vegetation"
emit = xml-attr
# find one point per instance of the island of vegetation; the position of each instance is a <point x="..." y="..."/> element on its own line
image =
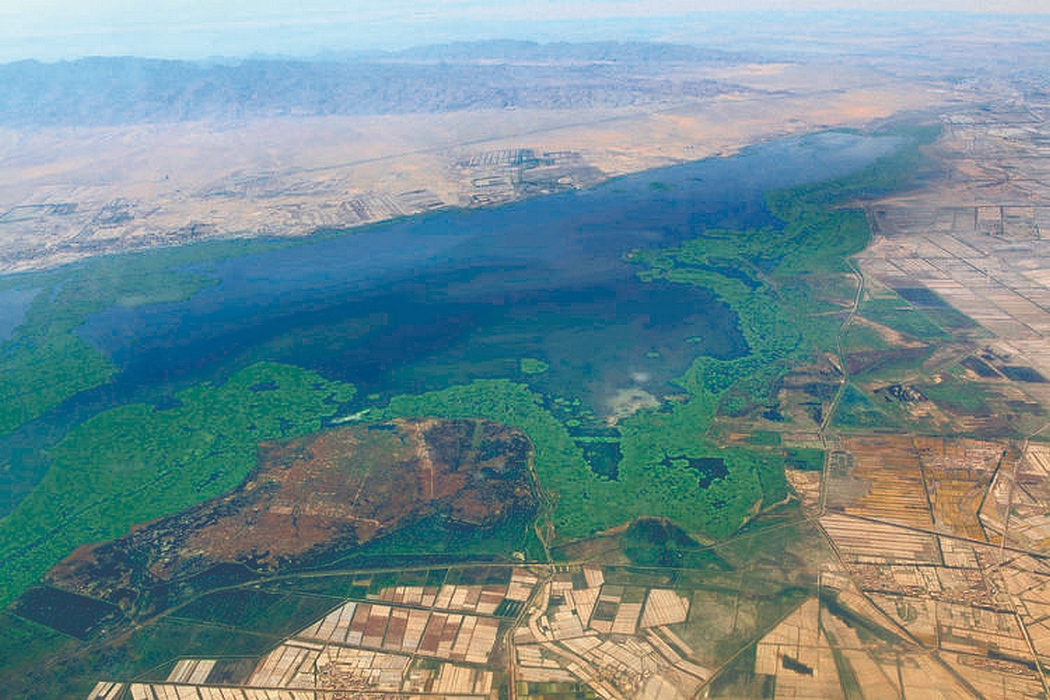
<point x="309" y="502"/>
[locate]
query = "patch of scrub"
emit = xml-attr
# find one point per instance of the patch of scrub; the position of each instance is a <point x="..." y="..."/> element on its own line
<point x="531" y="365"/>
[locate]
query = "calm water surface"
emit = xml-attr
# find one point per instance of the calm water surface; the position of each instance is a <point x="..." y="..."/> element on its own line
<point x="425" y="302"/>
<point x="445" y="298"/>
<point x="13" y="306"/>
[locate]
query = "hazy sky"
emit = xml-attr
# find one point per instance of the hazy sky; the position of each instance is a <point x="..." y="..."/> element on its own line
<point x="50" y="29"/>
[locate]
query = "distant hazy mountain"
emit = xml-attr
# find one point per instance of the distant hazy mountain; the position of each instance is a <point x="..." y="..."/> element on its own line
<point x="614" y="51"/>
<point x="480" y="75"/>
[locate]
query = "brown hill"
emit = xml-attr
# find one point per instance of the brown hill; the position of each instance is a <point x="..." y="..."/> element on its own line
<point x="308" y="502"/>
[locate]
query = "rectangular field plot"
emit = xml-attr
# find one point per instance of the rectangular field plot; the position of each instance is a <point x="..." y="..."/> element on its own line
<point x="987" y="262"/>
<point x="165" y="691"/>
<point x="407" y="630"/>
<point x="879" y="477"/>
<point x="194" y="671"/>
<point x="866" y="541"/>
<point x="930" y="484"/>
<point x="957" y="475"/>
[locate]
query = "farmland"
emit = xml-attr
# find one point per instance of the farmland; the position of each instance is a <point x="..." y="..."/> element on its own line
<point x="454" y="628"/>
<point x="763" y="426"/>
<point x="688" y="487"/>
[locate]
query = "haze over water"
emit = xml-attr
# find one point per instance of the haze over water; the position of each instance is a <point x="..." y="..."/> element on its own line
<point x="440" y="299"/>
<point x="453" y="296"/>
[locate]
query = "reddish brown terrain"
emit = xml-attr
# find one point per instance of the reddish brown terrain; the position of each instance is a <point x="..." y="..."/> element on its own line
<point x="310" y="501"/>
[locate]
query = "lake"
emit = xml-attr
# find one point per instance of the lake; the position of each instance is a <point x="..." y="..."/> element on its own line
<point x="434" y="300"/>
<point x="425" y="302"/>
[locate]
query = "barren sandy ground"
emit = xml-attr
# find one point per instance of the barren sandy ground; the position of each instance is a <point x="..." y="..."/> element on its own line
<point x="162" y="184"/>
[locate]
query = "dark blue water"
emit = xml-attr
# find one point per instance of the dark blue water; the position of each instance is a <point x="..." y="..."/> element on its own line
<point x="13" y="306"/>
<point x="444" y="298"/>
